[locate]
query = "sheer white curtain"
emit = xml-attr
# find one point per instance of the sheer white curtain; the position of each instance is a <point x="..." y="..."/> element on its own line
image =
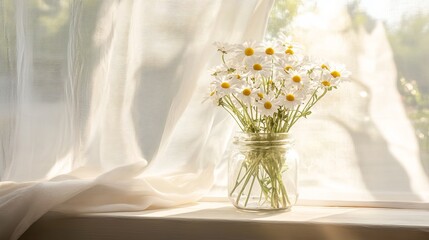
<point x="363" y="149"/>
<point x="100" y="105"/>
<point x="359" y="146"/>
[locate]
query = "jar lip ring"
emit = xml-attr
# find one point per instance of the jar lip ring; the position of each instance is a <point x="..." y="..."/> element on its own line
<point x="262" y="137"/>
<point x="263" y="133"/>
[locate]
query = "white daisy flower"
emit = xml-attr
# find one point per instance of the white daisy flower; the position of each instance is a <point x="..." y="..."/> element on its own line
<point x="297" y="78"/>
<point x="212" y="96"/>
<point x="224" y="86"/>
<point x="290" y="49"/>
<point x="328" y="81"/>
<point x="324" y="66"/>
<point x="271" y="50"/>
<point x="284" y="66"/>
<point x="258" y="67"/>
<point x="259" y="94"/>
<point x="246" y="50"/>
<point x="268" y="105"/>
<point x="247" y="94"/>
<point x="338" y="71"/>
<point x="293" y="97"/>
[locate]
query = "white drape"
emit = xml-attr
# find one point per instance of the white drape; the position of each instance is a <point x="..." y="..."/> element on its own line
<point x="363" y="147"/>
<point x="101" y="103"/>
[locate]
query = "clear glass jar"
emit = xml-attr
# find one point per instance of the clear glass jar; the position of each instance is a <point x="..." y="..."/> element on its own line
<point x="263" y="172"/>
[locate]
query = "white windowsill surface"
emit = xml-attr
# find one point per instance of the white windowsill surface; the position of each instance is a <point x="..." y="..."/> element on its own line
<point x="220" y="220"/>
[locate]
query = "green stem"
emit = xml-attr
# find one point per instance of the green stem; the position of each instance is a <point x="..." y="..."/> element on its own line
<point x="250" y="191"/>
<point x="249" y="118"/>
<point x="307" y="107"/>
<point x="293" y="117"/>
<point x="243" y="188"/>
<point x="237" y="182"/>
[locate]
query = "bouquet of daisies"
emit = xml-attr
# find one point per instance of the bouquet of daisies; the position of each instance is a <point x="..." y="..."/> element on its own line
<point x="268" y="86"/>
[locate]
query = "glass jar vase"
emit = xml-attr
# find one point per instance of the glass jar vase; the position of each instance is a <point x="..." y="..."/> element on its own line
<point x="263" y="172"/>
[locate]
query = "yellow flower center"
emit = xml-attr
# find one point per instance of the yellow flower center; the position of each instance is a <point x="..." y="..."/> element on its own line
<point x="246" y="92"/>
<point x="269" y="51"/>
<point x="268" y="105"/>
<point x="335" y="74"/>
<point x="249" y="51"/>
<point x="289" y="51"/>
<point x="260" y="95"/>
<point x="225" y="85"/>
<point x="326" y="83"/>
<point x="288" y="67"/>
<point x="296" y="78"/>
<point x="290" y="97"/>
<point x="257" y="67"/>
<point x="323" y="66"/>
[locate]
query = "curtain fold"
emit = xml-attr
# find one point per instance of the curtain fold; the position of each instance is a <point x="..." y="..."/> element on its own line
<point x="101" y="103"/>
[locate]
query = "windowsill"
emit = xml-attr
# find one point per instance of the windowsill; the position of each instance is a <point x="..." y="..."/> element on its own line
<point x="210" y="220"/>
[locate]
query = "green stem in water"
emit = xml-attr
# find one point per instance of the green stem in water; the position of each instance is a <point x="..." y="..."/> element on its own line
<point x="250" y="191"/>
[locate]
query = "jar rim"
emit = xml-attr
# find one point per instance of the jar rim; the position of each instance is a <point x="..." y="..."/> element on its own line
<point x="272" y="138"/>
<point x="285" y="134"/>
